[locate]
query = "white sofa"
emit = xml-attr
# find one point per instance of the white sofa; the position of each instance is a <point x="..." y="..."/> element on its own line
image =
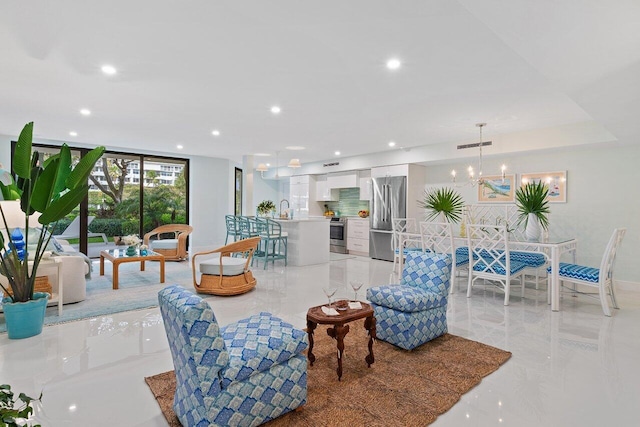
<point x="74" y="272"/>
<point x="74" y="268"/>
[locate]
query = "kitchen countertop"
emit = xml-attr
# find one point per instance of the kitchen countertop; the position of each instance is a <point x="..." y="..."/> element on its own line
<point x="299" y="220"/>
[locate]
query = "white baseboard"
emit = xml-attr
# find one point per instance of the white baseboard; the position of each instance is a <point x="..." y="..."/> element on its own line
<point x="626" y="285"/>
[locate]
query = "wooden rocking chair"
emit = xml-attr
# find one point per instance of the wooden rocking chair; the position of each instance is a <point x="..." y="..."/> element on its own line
<point x="227" y="274"/>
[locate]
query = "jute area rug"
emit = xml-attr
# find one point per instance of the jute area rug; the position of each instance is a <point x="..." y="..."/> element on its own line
<point x="402" y="388"/>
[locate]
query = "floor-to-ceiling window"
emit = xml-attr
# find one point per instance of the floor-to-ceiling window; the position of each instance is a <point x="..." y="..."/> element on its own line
<point x="128" y="194"/>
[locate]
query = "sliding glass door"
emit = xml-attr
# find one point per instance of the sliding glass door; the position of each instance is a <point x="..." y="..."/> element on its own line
<point x="128" y="194"/>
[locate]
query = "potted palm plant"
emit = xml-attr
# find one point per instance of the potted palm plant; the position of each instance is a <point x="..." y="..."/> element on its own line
<point x="533" y="208"/>
<point x="444" y="202"/>
<point x="52" y="188"/>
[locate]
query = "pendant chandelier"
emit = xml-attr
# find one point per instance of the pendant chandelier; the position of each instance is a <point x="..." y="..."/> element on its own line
<point x="479" y="180"/>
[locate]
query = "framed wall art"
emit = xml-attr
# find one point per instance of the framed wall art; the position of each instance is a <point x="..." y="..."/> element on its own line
<point x="557" y="182"/>
<point x="495" y="189"/>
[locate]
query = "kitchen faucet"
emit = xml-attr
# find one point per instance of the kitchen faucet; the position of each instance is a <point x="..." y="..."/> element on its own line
<point x="287" y="214"/>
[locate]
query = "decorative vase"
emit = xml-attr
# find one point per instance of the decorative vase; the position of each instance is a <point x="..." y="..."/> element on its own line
<point x="25" y="319"/>
<point x="533" y="229"/>
<point x="131" y="250"/>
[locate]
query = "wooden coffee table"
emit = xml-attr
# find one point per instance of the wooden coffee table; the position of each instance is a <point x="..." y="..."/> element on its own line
<point x="340" y="329"/>
<point x="118" y="256"/>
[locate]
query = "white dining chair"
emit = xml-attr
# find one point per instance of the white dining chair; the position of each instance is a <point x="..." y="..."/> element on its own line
<point x="401" y="248"/>
<point x="600" y="278"/>
<point x="437" y="237"/>
<point x="490" y="258"/>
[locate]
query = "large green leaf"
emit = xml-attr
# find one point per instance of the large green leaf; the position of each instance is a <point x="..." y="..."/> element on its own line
<point x="43" y="190"/>
<point x="80" y="173"/>
<point x="22" y="154"/>
<point x="64" y="169"/>
<point x="27" y="187"/>
<point x="61" y="207"/>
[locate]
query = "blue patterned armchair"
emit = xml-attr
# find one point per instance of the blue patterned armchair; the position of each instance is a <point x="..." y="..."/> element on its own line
<point x="414" y="312"/>
<point x="242" y="374"/>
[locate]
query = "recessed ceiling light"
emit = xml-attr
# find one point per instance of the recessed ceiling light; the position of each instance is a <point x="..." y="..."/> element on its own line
<point x="215" y="132"/>
<point x="262" y="154"/>
<point x="269" y="164"/>
<point x="393" y="64"/>
<point x="276" y="109"/>
<point x="179" y="146"/>
<point x="73" y="133"/>
<point x="109" y="70"/>
<point x="392" y="144"/>
<point x="337" y="153"/>
<point x="294" y="147"/>
<point x="85" y="112"/>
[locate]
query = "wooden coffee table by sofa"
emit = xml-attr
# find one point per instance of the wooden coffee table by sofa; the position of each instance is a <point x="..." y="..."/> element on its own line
<point x="118" y="256"/>
<point x="316" y="316"/>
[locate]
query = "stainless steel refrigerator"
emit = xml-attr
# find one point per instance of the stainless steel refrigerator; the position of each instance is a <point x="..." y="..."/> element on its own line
<point x="388" y="201"/>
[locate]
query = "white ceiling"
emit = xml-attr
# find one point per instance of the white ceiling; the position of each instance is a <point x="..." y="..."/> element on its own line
<point x="186" y="68"/>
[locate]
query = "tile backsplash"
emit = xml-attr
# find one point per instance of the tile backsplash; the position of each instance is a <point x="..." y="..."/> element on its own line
<point x="349" y="203"/>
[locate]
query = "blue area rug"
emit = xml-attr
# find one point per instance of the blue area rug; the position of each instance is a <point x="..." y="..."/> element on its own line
<point x="137" y="290"/>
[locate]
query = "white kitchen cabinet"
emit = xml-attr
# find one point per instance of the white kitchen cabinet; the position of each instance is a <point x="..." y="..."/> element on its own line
<point x="365" y="185"/>
<point x="358" y="236"/>
<point x="393" y="170"/>
<point x="302" y="189"/>
<point x="299" y="179"/>
<point x="343" y="180"/>
<point x="326" y="194"/>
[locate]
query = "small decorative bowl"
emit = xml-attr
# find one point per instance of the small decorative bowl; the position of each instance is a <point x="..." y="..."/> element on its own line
<point x="341" y="305"/>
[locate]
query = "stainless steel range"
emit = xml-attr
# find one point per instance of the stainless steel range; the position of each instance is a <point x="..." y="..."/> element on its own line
<point x="338" y="235"/>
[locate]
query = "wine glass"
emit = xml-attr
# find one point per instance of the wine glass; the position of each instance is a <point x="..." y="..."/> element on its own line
<point x="356" y="285"/>
<point x="330" y="291"/>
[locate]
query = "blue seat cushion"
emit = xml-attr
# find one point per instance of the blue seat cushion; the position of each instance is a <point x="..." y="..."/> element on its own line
<point x="405" y="298"/>
<point x="257" y="343"/>
<point x="405" y="251"/>
<point x="497" y="268"/>
<point x="530" y="259"/>
<point x="580" y="272"/>
<point x="462" y="256"/>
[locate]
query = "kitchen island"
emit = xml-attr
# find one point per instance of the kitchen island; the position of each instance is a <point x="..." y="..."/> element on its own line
<point x="308" y="240"/>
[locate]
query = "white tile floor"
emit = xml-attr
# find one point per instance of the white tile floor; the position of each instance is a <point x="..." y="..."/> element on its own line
<point x="571" y="368"/>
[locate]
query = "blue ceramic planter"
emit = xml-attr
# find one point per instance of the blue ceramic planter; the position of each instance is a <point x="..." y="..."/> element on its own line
<point x="25" y="319"/>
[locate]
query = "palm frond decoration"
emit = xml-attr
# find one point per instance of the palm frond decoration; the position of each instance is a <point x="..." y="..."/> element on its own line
<point x="442" y="200"/>
<point x="532" y="198"/>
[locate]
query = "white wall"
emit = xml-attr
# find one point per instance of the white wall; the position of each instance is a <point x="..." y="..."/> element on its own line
<point x="264" y="189"/>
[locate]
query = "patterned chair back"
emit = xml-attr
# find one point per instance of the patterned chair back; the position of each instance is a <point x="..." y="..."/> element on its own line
<point x="489" y="248"/>
<point x="429" y="271"/>
<point x="437" y="237"/>
<point x="195" y="341"/>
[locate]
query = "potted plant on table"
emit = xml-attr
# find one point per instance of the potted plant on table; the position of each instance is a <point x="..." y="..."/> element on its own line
<point x="444" y="202"/>
<point x="52" y="188"/>
<point x="533" y="208"/>
<point x="265" y="207"/>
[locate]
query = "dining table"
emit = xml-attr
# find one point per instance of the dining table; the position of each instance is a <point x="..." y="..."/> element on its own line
<point x="552" y="247"/>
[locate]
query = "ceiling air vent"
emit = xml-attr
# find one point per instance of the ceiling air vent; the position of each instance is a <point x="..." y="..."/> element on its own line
<point x="331" y="164"/>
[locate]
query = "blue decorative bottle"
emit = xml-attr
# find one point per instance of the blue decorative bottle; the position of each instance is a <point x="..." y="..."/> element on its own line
<point x="17" y="241"/>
